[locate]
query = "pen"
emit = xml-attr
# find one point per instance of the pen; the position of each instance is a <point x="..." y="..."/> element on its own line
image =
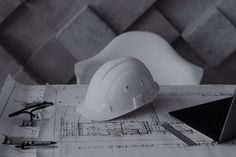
<point x="33" y="144"/>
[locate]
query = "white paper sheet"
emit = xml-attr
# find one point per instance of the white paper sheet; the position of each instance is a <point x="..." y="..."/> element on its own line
<point x="136" y="134"/>
<point x="11" y="98"/>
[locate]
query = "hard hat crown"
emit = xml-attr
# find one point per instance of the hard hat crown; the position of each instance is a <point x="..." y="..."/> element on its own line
<point x="118" y="87"/>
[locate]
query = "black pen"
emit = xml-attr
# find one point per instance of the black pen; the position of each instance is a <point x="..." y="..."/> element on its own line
<point x="32" y="144"/>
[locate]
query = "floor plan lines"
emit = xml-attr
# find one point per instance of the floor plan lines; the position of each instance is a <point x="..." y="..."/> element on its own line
<point x="134" y="134"/>
<point x="126" y="126"/>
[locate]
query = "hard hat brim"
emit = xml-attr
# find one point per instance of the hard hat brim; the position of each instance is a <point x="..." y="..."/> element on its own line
<point x="103" y="116"/>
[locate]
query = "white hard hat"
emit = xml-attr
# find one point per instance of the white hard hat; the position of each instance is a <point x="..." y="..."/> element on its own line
<point x="118" y="87"/>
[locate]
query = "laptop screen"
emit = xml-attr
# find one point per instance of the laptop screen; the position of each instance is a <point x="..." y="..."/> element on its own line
<point x="208" y="118"/>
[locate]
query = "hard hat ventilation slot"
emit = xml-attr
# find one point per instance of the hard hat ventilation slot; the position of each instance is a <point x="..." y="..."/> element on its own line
<point x="126" y="88"/>
<point x="141" y="82"/>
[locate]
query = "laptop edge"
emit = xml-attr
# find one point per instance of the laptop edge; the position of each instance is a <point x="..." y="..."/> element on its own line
<point x="229" y="129"/>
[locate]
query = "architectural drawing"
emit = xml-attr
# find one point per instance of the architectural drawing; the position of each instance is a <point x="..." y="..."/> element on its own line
<point x="134" y="133"/>
<point x="12" y="130"/>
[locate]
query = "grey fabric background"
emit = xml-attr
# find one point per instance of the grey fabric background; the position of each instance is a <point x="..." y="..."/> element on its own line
<point x="41" y="40"/>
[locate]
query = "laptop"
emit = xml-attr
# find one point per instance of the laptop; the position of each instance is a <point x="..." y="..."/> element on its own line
<point x="216" y="119"/>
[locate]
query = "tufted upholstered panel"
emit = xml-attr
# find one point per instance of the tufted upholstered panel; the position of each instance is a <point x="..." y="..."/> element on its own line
<point x="41" y="40"/>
